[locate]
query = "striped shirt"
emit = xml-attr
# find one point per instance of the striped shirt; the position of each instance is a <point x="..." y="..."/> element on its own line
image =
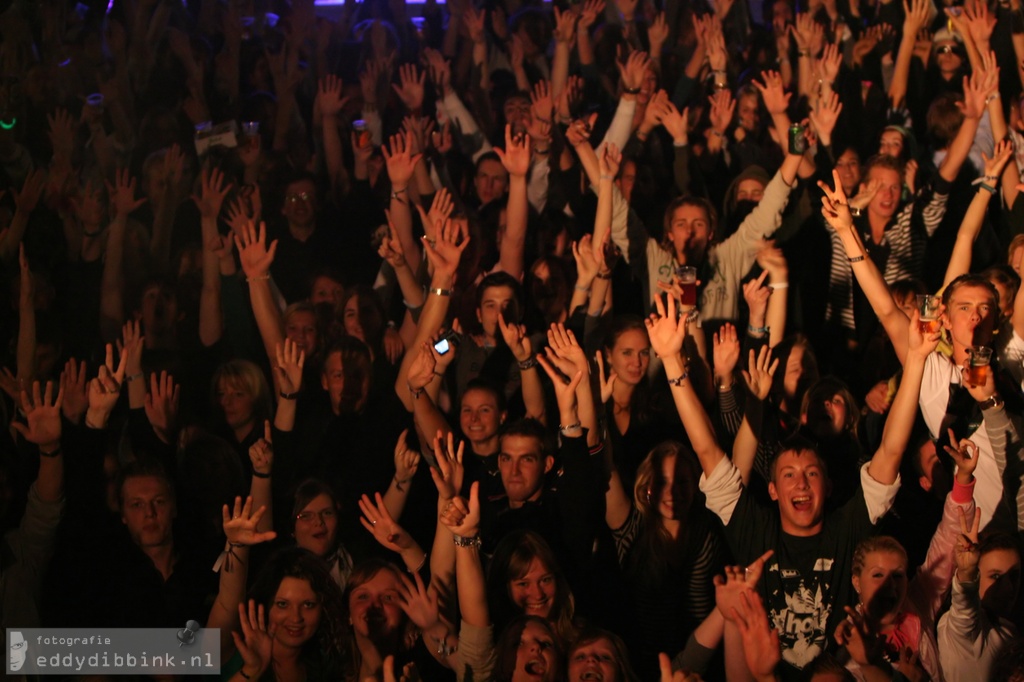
<point x="906" y="240"/>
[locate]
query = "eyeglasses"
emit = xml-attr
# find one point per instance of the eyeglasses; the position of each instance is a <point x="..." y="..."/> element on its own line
<point x="946" y="49"/>
<point x="294" y="198"/>
<point x="307" y="516"/>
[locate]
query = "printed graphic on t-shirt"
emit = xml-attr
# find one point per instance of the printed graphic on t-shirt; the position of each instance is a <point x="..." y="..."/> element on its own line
<point x="798" y="607"/>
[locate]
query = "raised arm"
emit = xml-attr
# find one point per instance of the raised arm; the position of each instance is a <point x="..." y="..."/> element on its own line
<point x="970" y="227"/>
<point x="759" y="384"/>
<point x="261" y="455"/>
<point x="444" y="257"/>
<point x="330" y="102"/>
<point x="213" y="189"/>
<point x="401" y="165"/>
<point x="915" y="16"/>
<point x="240" y="527"/>
<point x="566" y="353"/>
<point x="519" y="343"/>
<point x="836" y="212"/>
<point x="973" y="109"/>
<point x="256" y="258"/>
<point x="122" y="194"/>
<point x="461" y="518"/>
<point x="885" y="465"/>
<point x="516" y="159"/>
<point x="667" y="332"/>
<point x="407" y="461"/>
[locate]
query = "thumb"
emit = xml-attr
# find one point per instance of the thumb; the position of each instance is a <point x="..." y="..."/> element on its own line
<point x="474" y="498"/>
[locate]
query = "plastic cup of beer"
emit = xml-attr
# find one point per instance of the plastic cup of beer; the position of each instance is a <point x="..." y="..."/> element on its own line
<point x="687" y="278"/>
<point x="979" y="365"/>
<point x="362" y="130"/>
<point x="928" y="308"/>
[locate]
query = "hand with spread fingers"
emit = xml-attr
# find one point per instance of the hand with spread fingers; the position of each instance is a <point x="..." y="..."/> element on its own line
<point x="42" y="417"/>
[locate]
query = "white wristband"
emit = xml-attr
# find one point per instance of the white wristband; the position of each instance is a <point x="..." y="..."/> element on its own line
<point x="780" y="285"/>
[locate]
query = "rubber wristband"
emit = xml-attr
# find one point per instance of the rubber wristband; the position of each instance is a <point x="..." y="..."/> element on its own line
<point x="259" y="475"/>
<point x="780" y="285"/>
<point x="756" y="330"/>
<point x="132" y="377"/>
<point x="54" y="453"/>
<point x="631" y="91"/>
<point x="289" y="396"/>
<point x="856" y="259"/>
<point x="988" y="188"/>
<point x="606" y="275"/>
<point x="569" y="427"/>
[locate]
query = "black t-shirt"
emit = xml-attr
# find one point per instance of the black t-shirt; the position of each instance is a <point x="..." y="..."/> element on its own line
<point x="807" y="581"/>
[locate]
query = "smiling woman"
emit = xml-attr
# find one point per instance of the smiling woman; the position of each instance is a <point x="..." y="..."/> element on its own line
<point x="525" y="579"/>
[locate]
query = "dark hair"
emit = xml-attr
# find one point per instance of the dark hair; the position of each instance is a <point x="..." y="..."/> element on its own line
<point x="487" y="386"/>
<point x="370" y="310"/>
<point x="808" y="365"/>
<point x="530" y="428"/>
<point x="624" y="671"/>
<point x="307" y="491"/>
<point x="1005" y="275"/>
<point x="910" y="286"/>
<point x="996" y="540"/>
<point x="507" y="648"/>
<point x="364" y="572"/>
<point x="944" y="119"/>
<point x="500" y="279"/>
<point x="357" y="368"/>
<point x="799" y="444"/>
<point x="657" y="552"/>
<point x="321" y="650"/>
<point x="511" y="561"/>
<point x="143" y="468"/>
<point x="679" y="202"/>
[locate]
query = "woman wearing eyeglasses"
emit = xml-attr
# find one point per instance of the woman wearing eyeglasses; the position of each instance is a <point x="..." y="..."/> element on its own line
<point x="315" y="518"/>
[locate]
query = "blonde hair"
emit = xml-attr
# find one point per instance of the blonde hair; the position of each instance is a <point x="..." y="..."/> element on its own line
<point x="247" y="376"/>
<point x="879" y="543"/>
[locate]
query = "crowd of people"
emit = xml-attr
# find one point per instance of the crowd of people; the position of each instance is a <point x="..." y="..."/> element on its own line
<point x="588" y="340"/>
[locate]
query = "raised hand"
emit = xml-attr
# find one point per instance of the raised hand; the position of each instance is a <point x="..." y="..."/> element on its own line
<point x="516" y="154"/>
<point x="666" y="329"/>
<point x="440" y="71"/>
<point x="829" y="63"/>
<point x="329" y="98"/>
<point x="516" y="338"/>
<point x="419" y="602"/>
<point x="565" y="389"/>
<point x="213" y="190"/>
<point x="449" y="471"/>
<point x="609" y="158"/>
<point x="240" y="524"/>
<point x="401" y="162"/>
<point x="253" y="252"/>
<point x="122" y="194"/>
<point x="776" y="100"/>
<point x="657" y="33"/>
<point x="541" y="104"/>
<point x="980" y="22"/>
<point x="42" y="417"/>
<point x="756" y="295"/>
<point x="579" y="130"/>
<point x="726" y="353"/>
<point x="73" y="383"/>
<point x="607" y="384"/>
<point x="290" y="361"/>
<point x="677" y="123"/>
<point x="446" y="251"/>
<point x="562" y="345"/>
<point x="834" y="206"/>
<point x="762" y="370"/>
<point x="723" y="106"/>
<point x="592" y="9"/>
<point x="407" y="461"/>
<point x="162" y="404"/>
<point x="633" y="70"/>
<point x="565" y="25"/>
<point x="966" y="552"/>
<point x="410" y="86"/>
<point x="824" y="116"/>
<point x="965" y="456"/>
<point x="923" y="344"/>
<point x="760" y="640"/>
<point x="261" y="453"/>
<point x="256" y="643"/>
<point x="475" y="21"/>
<point x="462" y="517"/>
<point x="859" y="637"/>
<point x="385" y="530"/>
<point x="62" y="134"/>
<point x="1000" y="155"/>
<point x="105" y="389"/>
<point x="27" y="198"/>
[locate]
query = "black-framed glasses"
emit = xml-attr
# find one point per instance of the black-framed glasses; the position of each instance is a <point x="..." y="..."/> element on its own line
<point x="946" y="49"/>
